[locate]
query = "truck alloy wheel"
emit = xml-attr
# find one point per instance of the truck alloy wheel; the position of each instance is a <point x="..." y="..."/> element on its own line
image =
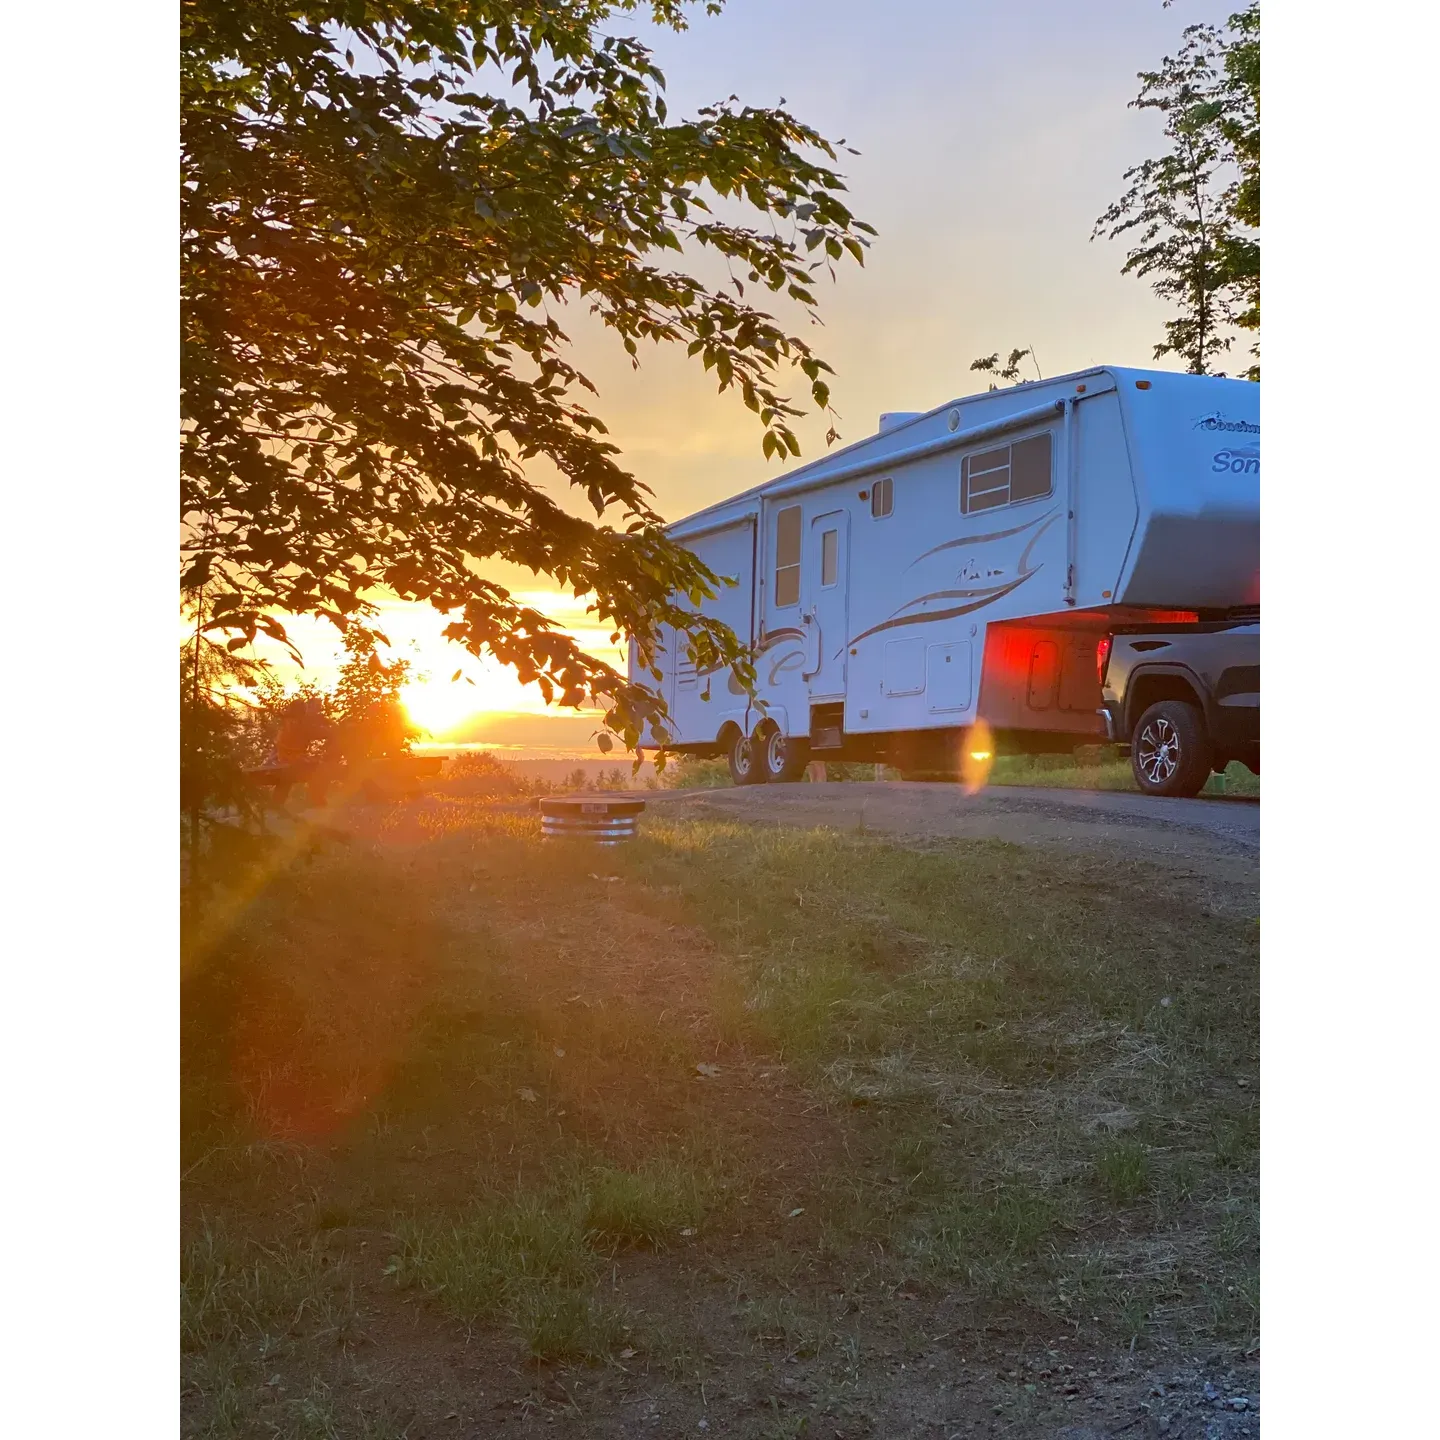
<point x="1170" y="752"/>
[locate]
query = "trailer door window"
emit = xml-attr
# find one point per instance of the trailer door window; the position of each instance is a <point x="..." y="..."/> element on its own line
<point x="882" y="498"/>
<point x="1007" y="475"/>
<point x="829" y="557"/>
<point x="787" y="556"/>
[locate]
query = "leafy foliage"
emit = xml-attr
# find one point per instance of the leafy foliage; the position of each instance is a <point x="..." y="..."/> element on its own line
<point x="1237" y="116"/>
<point x="1009" y="372"/>
<point x="1194" y="212"/>
<point x="365" y="707"/>
<point x="236" y="717"/>
<point x="385" y="209"/>
<point x="218" y="738"/>
<point x="215" y="740"/>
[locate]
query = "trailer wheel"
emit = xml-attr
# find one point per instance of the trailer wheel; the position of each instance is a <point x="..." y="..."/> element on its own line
<point x="783" y="759"/>
<point x="744" y="758"/>
<point x="1170" y="752"/>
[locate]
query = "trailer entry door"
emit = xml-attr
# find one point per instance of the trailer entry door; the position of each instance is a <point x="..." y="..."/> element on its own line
<point x="826" y="608"/>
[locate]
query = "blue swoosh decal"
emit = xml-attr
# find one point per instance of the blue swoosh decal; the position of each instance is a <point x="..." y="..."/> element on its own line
<point x="982" y="539"/>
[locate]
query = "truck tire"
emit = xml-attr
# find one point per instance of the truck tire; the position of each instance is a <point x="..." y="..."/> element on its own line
<point x="783" y="760"/>
<point x="1170" y="752"/>
<point x="744" y="760"/>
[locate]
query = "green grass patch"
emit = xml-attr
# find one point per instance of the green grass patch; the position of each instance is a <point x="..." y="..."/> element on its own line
<point x="648" y="1206"/>
<point x="1093" y="769"/>
<point x="531" y="1260"/>
<point x="548" y="1098"/>
<point x="522" y="1262"/>
<point x="1123" y="1170"/>
<point x="236" y="1290"/>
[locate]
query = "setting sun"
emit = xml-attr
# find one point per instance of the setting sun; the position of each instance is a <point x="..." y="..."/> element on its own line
<point x="438" y="706"/>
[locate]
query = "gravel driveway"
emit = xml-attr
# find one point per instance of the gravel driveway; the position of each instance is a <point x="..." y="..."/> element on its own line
<point x="1212" y="829"/>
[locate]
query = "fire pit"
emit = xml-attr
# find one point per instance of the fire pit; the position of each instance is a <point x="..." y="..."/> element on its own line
<point x="597" y="820"/>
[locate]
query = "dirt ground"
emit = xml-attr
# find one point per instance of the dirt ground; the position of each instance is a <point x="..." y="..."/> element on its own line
<point x="834" y="1352"/>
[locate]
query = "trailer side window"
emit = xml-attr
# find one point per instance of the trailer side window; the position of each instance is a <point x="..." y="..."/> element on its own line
<point x="1030" y="469"/>
<point x="882" y="498"/>
<point x="1007" y="475"/>
<point x="787" y="556"/>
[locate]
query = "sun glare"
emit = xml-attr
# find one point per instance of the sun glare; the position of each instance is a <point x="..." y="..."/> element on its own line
<point x="978" y="758"/>
<point x="438" y="706"/>
<point x="441" y="706"/>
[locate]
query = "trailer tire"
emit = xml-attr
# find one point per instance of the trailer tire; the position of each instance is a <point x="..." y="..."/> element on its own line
<point x="743" y="757"/>
<point x="1170" y="752"/>
<point x="782" y="759"/>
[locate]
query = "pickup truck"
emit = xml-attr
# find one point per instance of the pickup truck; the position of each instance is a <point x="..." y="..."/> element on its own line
<point x="1185" y="699"/>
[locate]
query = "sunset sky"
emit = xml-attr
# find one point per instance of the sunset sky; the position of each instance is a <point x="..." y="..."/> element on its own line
<point x="991" y="134"/>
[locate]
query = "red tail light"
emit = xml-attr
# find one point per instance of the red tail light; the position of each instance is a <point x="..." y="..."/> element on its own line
<point x="1102" y="657"/>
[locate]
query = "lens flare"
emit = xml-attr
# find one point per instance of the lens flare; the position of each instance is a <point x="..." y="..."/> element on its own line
<point x="977" y="758"/>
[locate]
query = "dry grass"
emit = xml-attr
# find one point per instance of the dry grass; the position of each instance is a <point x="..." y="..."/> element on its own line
<point x="544" y="1095"/>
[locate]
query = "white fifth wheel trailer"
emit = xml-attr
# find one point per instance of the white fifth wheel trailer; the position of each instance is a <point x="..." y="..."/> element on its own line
<point x="962" y="565"/>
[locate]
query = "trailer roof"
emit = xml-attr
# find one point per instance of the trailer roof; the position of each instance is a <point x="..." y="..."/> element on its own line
<point x="896" y="437"/>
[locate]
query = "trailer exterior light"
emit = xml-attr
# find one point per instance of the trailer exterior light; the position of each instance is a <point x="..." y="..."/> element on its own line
<point x="981" y="755"/>
<point x="1142" y="384"/>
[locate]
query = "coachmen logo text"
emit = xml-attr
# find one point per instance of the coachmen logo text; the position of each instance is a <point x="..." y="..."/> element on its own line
<point x="1217" y="421"/>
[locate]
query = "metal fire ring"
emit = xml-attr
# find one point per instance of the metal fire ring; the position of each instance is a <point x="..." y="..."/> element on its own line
<point x="597" y="821"/>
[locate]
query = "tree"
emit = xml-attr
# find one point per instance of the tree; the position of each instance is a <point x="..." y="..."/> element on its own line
<point x="216" y="736"/>
<point x="1195" y="210"/>
<point x="1237" y="116"/>
<point x="1009" y="372"/>
<point x="386" y="207"/>
<point x="365" y="707"/>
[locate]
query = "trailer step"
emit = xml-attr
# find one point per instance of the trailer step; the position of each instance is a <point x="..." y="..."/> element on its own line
<point x="827" y="727"/>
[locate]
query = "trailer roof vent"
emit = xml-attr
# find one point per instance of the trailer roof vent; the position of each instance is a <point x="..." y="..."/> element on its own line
<point x="891" y="418"/>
